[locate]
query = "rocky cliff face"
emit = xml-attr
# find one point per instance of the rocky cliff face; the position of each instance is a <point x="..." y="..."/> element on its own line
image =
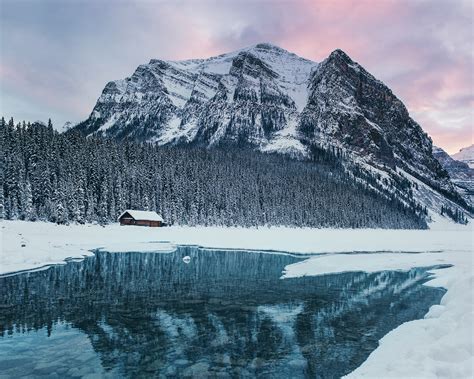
<point x="348" y="107"/>
<point x="274" y="101"/>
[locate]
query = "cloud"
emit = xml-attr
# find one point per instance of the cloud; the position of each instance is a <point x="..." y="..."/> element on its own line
<point x="57" y="55"/>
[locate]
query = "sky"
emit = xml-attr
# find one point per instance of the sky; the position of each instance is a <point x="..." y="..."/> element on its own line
<point x="57" y="55"/>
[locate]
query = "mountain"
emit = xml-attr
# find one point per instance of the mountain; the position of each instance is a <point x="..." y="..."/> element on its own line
<point x="466" y="155"/>
<point x="269" y="99"/>
<point x="461" y="174"/>
<point x="253" y="95"/>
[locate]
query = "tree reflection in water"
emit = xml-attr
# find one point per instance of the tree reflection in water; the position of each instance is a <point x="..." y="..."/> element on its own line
<point x="225" y="313"/>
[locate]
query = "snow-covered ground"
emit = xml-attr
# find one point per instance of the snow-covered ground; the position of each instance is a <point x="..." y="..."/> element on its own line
<point x="440" y="345"/>
<point x="48" y="243"/>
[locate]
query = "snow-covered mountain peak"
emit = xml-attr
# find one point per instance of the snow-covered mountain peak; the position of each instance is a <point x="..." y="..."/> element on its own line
<point x="264" y="64"/>
<point x="340" y="54"/>
<point x="340" y="61"/>
<point x="287" y="65"/>
<point x="270" y="47"/>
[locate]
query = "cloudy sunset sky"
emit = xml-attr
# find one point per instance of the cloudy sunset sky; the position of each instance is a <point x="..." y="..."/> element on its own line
<point x="56" y="56"/>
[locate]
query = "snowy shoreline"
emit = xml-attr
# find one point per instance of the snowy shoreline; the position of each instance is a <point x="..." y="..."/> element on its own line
<point x="440" y="345"/>
<point x="48" y="243"/>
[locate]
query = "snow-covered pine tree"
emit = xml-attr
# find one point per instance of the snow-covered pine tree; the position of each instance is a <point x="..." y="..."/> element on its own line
<point x="77" y="179"/>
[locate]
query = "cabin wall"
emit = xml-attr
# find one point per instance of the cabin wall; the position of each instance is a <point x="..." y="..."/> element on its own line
<point x="128" y="221"/>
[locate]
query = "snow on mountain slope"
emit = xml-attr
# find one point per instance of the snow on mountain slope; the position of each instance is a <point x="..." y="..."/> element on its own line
<point x="466" y="155"/>
<point x="293" y="71"/>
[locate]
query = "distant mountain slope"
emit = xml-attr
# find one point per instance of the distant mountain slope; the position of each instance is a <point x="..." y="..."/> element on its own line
<point x="269" y="99"/>
<point x="466" y="155"/>
<point x="461" y="174"/>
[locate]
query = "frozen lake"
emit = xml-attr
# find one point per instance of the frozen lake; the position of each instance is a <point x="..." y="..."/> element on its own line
<point x="225" y="313"/>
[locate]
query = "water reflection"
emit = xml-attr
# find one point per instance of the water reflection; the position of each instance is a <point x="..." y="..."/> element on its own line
<point x="226" y="313"/>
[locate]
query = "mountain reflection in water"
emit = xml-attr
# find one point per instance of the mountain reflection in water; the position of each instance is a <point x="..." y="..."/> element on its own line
<point x="226" y="313"/>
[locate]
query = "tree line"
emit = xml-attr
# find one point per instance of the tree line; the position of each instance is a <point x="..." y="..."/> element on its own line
<point x="66" y="177"/>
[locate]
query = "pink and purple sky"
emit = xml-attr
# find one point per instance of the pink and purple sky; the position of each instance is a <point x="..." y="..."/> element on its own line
<point x="57" y="55"/>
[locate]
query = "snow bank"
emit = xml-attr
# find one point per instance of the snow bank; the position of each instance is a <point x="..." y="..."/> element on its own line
<point x="373" y="262"/>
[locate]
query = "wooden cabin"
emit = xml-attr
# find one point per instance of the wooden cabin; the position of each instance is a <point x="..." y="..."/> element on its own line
<point x="141" y="218"/>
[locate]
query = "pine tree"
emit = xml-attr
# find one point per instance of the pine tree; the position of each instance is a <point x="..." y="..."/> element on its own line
<point x="27" y="202"/>
<point x="102" y="210"/>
